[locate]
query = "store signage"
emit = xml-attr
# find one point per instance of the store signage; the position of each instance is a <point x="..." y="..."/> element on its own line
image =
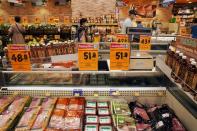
<point x="37" y="20"/>
<point x="57" y="37"/>
<point x="119" y="56"/>
<point x="77" y="92"/>
<point x="24" y="20"/>
<point x="11" y="20"/>
<point x="183" y="31"/>
<point x="114" y="92"/>
<point x="88" y="56"/>
<point x="187" y="45"/>
<point x="19" y="57"/>
<point x="1" y="20"/>
<point x="122" y="38"/>
<point x="50" y="20"/>
<point x="145" y="42"/>
<point x="66" y="20"/>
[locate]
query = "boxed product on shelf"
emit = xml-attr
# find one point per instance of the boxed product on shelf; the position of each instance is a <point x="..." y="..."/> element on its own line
<point x="90" y="111"/>
<point x="123" y="121"/>
<point x="105" y="128"/>
<point x="27" y="119"/>
<point x="76" y="104"/>
<point x="102" y="104"/>
<point x="120" y="108"/>
<point x="103" y="111"/>
<point x="91" y="127"/>
<point x="42" y="119"/>
<point x="91" y="104"/>
<point x="105" y="120"/>
<point x="92" y="119"/>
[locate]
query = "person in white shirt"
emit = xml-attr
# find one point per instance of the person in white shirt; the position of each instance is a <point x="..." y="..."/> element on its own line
<point x="129" y="22"/>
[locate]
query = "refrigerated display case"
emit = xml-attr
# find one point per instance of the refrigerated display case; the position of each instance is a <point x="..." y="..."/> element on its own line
<point x="148" y="87"/>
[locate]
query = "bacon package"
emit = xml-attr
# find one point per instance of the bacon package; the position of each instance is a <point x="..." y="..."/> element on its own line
<point x="76" y="103"/>
<point x="48" y="102"/>
<point x="4" y="102"/>
<point x="27" y="119"/>
<point x="73" y="120"/>
<point x="57" y="119"/>
<point x="42" y="119"/>
<point x="35" y="102"/>
<point x="5" y="119"/>
<point x="62" y="103"/>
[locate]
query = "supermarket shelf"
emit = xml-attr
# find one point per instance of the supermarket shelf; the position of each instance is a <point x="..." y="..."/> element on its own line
<point x="84" y="91"/>
<point x="183" y="97"/>
<point x="99" y="24"/>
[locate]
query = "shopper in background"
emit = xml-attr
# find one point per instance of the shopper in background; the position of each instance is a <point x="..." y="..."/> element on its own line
<point x="82" y="31"/>
<point x="130" y="21"/>
<point x="136" y="38"/>
<point x="16" y="32"/>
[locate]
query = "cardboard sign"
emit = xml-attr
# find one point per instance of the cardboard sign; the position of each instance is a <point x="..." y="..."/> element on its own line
<point x="88" y="56"/>
<point x="122" y="38"/>
<point x="50" y="20"/>
<point x="66" y="20"/>
<point x="119" y="56"/>
<point x="1" y="20"/>
<point x="145" y="42"/>
<point x="37" y="20"/>
<point x="19" y="57"/>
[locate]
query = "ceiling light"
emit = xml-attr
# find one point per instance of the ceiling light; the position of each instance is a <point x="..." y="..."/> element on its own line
<point x="189" y="2"/>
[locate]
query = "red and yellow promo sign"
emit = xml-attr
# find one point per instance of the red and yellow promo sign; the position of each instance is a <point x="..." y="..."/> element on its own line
<point x="119" y="56"/>
<point x="19" y="57"/>
<point x="50" y="20"/>
<point x="88" y="56"/>
<point x="145" y="42"/>
<point x="1" y="20"/>
<point x="122" y="38"/>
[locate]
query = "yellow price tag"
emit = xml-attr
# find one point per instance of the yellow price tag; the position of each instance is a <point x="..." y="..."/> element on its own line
<point x="122" y="38"/>
<point x="24" y="20"/>
<point x="76" y="94"/>
<point x="37" y="20"/>
<point x="19" y="57"/>
<point x="97" y="39"/>
<point x="88" y="56"/>
<point x="57" y="37"/>
<point x="119" y="56"/>
<point x="51" y="20"/>
<point x="145" y="42"/>
<point x="66" y="20"/>
<point x="96" y="94"/>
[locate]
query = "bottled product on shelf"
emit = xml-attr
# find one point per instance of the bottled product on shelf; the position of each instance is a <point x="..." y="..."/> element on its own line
<point x="181" y="69"/>
<point x="177" y="58"/>
<point x="169" y="57"/>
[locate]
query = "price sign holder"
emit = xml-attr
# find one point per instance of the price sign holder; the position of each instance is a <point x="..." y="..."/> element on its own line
<point x="19" y="57"/>
<point x="119" y="56"/>
<point x="24" y="20"/>
<point x="37" y="20"/>
<point x="88" y="56"/>
<point x="122" y="38"/>
<point x="77" y="92"/>
<point x="145" y="42"/>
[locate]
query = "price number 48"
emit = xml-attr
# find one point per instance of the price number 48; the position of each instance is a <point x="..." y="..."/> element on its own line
<point x="89" y="55"/>
<point x="121" y="55"/>
<point x="19" y="57"/>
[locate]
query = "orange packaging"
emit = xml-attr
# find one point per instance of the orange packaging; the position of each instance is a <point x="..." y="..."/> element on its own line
<point x="62" y="103"/>
<point x="58" y="112"/>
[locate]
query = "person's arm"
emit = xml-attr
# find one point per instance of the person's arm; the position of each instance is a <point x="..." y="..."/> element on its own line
<point x="10" y="31"/>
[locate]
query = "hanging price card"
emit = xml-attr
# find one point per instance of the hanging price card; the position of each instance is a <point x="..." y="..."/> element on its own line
<point x="66" y="20"/>
<point x="122" y="38"/>
<point x="19" y="57"/>
<point x="37" y="20"/>
<point x="24" y="20"/>
<point x="11" y="20"/>
<point x="1" y="20"/>
<point x="119" y="56"/>
<point x="145" y="42"/>
<point x="50" y="20"/>
<point x="88" y="56"/>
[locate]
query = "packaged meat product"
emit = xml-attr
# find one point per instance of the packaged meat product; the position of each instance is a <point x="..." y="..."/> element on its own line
<point x="42" y="119"/>
<point x="105" y="120"/>
<point x="90" y="111"/>
<point x="103" y="111"/>
<point x="141" y="112"/>
<point x="4" y="102"/>
<point x="105" y="128"/>
<point x="91" y="127"/>
<point x="62" y="103"/>
<point x="48" y="102"/>
<point x="72" y="123"/>
<point x="121" y="108"/>
<point x="35" y="102"/>
<point x="177" y="126"/>
<point x="143" y="127"/>
<point x="5" y="119"/>
<point x="102" y="104"/>
<point x="76" y="104"/>
<point x="91" y="119"/>
<point x="123" y="120"/>
<point x="27" y="119"/>
<point x="18" y="103"/>
<point x="91" y="104"/>
<point x="57" y="119"/>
